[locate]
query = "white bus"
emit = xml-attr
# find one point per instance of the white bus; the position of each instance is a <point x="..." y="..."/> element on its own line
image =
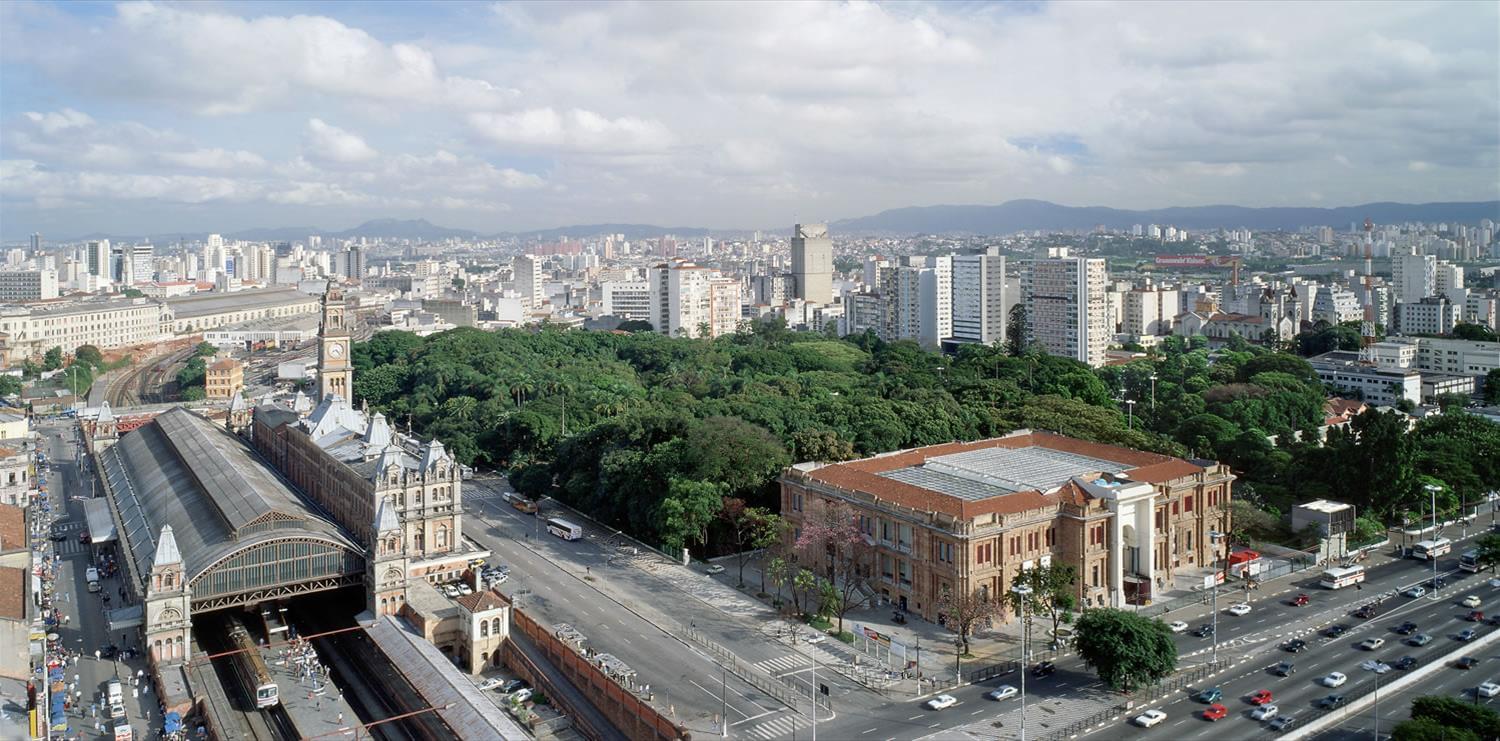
<point x="564" y="529"/>
<point x="1338" y="578"/>
<point x="1427" y="550"/>
<point x="1469" y="561"/>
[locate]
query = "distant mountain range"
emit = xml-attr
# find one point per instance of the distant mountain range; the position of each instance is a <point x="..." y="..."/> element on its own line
<point x="1027" y="215"/>
<point x="1005" y="218"/>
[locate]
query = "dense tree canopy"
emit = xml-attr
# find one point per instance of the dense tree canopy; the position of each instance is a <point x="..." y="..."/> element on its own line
<point x="1128" y="651"/>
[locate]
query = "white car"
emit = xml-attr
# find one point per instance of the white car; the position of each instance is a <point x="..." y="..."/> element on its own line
<point x="714" y="569"/>
<point x="1415" y="592"/>
<point x="1370" y="644"/>
<point x="490" y="684"/>
<point x="521" y="695"/>
<point x="1471" y="601"/>
<point x="1264" y="712"/>
<point x="942" y="702"/>
<point x="1487" y="690"/>
<point x="1378" y="667"/>
<point x="816" y="637"/>
<point x="1335" y="679"/>
<point x="1002" y="692"/>
<point x="1150" y="718"/>
<point x="1177" y="626"/>
<point x="1239" y="609"/>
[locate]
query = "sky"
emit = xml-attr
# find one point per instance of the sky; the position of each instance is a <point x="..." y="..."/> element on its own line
<point x="161" y="117"/>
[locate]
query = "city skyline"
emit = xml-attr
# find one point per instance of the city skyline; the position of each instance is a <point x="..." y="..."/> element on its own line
<point x="515" y="117"/>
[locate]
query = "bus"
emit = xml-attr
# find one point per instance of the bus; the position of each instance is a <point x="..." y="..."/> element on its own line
<point x="1469" y="561"/>
<point x="564" y="529"/>
<point x="1427" y="550"/>
<point x="521" y="503"/>
<point x="250" y="667"/>
<point x="1338" y="578"/>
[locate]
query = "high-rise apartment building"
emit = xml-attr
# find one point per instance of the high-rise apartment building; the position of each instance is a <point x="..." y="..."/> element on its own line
<point x="99" y="258"/>
<point x="979" y="298"/>
<point x="812" y="262"/>
<point x="689" y="300"/>
<point x="527" y="270"/>
<point x="1414" y="277"/>
<point x="1149" y="311"/>
<point x="28" y="285"/>
<point x="1065" y="305"/>
<point x="631" y="300"/>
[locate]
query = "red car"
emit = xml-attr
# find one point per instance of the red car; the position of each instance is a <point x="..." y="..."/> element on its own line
<point x="1215" y="712"/>
<point x="1300" y="601"/>
<point x="1261" y="697"/>
<point x="1475" y="616"/>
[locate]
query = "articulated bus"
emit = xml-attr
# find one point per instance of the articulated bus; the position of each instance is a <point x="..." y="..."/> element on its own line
<point x="250" y="667"/>
<point x="564" y="529"/>
<point x="1469" y="561"/>
<point x="1427" y="550"/>
<point x="1339" y="578"/>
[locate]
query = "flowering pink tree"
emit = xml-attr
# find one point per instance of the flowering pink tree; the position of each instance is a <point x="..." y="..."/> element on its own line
<point x="832" y="545"/>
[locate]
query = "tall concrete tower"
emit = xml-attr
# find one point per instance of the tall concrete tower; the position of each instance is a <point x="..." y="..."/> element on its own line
<point x="812" y="263"/>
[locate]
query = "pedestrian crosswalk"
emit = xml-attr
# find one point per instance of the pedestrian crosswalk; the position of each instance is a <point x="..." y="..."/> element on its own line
<point x="784" y="664"/>
<point x="775" y="728"/>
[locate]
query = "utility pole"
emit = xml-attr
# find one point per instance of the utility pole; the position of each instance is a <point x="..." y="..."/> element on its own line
<point x="724" y="702"/>
<point x="1216" y="537"/>
<point x="1153" y="393"/>
<point x="1433" y="489"/>
<point x="814" y="695"/>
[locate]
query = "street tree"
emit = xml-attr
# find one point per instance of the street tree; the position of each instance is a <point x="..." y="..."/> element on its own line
<point x="1489" y="550"/>
<point x="766" y="536"/>
<point x="964" y="610"/>
<point x="1126" y="650"/>
<point x="778" y="570"/>
<point x="749" y="528"/>
<point x="53" y="359"/>
<point x="834" y="540"/>
<point x="1457" y="714"/>
<point x="1426" y="729"/>
<point x="1052" y="593"/>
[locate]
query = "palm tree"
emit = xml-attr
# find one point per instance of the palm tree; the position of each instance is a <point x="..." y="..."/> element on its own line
<point x="522" y="388"/>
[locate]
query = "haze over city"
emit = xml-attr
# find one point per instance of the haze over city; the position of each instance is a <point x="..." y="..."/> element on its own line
<point x="138" y="118"/>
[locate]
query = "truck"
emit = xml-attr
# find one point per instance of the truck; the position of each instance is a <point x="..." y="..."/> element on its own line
<point x="92" y="576"/>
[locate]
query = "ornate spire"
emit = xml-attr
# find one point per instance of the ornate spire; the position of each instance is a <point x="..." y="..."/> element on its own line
<point x="166" y="549"/>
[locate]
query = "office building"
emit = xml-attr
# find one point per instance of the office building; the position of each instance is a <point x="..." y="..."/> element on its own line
<point x="100" y="258"/>
<point x="979" y="299"/>
<point x="1345" y="372"/>
<point x="1065" y="305"/>
<point x="969" y="517"/>
<point x="1335" y="305"/>
<point x="627" y="299"/>
<point x="1431" y="315"/>
<point x="1414" y="277"/>
<point x="28" y="285"/>
<point x="812" y="263"/>
<point x="1149" y="311"/>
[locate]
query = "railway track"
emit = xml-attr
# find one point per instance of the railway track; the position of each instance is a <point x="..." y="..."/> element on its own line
<point x="145" y="384"/>
<point x="250" y="724"/>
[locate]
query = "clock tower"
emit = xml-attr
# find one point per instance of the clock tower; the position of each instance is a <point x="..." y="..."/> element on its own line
<point x="335" y="372"/>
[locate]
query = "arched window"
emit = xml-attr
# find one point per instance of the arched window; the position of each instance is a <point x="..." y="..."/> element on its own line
<point x="495" y="626"/>
<point x="484" y="629"/>
<point x="442" y="536"/>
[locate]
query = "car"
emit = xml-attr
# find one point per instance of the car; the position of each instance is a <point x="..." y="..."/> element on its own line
<point x="1370" y="644"/>
<point x="1407" y="628"/>
<point x="941" y="702"/>
<point x="1487" y="690"/>
<point x="1420" y="639"/>
<point x="1415" y="592"/>
<point x="513" y="685"/>
<point x="1334" y="679"/>
<point x="1296" y="645"/>
<point x="1002" y="692"/>
<point x="714" y="569"/>
<point x="1264" y="712"/>
<point x="1379" y="667"/>
<point x="815" y="637"/>
<point x="1177" y="626"/>
<point x="1300" y="600"/>
<point x="116" y="710"/>
<point x="1332" y="701"/>
<point x="59" y="537"/>
<point x="1336" y="630"/>
<point x="1474" y="616"/>
<point x="1215" y="712"/>
<point x="520" y="695"/>
<point x="1210" y="695"/>
<point x="1284" y="669"/>
<point x="490" y="684"/>
<point x="1471" y="601"/>
<point x="1366" y="612"/>
<point x="1150" y="718"/>
<point x="1043" y="669"/>
<point x="1260" y="697"/>
<point x="1205" y="630"/>
<point x="1405" y="663"/>
<point x="1495" y="582"/>
<point x="1467" y="662"/>
<point x="1282" y="722"/>
<point x="1493" y="620"/>
<point x="1239" y="610"/>
<point x="84" y="538"/>
<point x="1466" y="635"/>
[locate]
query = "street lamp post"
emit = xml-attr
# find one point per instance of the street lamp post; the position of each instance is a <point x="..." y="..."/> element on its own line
<point x="1216" y="537"/>
<point x="1023" y="592"/>
<point x="1130" y="414"/>
<point x="1433" y="489"/>
<point x="1153" y="393"/>
<point x="1377" y="705"/>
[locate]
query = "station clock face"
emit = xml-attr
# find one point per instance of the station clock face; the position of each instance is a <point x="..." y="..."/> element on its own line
<point x="336" y="350"/>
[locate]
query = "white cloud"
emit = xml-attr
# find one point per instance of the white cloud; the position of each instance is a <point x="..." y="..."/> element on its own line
<point x="333" y="144"/>
<point x="214" y="158"/>
<point x="576" y="130"/>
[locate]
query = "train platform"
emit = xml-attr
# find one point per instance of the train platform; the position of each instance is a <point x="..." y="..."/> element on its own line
<point x="316" y="708"/>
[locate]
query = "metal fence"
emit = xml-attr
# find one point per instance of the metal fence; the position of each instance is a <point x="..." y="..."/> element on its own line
<point x="786" y="691"/>
<point x="1178" y="681"/>
<point x="1280" y="569"/>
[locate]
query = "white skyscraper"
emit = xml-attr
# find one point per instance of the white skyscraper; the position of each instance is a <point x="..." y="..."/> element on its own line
<point x="979" y="300"/>
<point x="1065" y="305"/>
<point x="812" y="263"/>
<point x="99" y="259"/>
<point x="527" y="270"/>
<point x="1414" y="277"/>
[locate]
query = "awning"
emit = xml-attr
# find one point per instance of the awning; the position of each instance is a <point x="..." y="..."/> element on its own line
<point x="101" y="524"/>
<point x="133" y="616"/>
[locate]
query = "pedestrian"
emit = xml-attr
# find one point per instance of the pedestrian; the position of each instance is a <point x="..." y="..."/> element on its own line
<point x="146" y="688"/>
<point x="341" y="719"/>
<point x="135" y="693"/>
<point x="96" y="654"/>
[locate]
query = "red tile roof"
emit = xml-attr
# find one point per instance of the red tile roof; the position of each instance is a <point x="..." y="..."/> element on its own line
<point x="864" y="475"/>
<point x="12" y="593"/>
<point x="483" y="600"/>
<point x="12" y="528"/>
